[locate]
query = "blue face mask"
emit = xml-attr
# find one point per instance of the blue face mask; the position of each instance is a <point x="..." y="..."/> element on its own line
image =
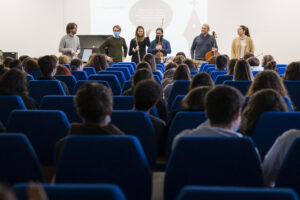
<point x="117" y="34"/>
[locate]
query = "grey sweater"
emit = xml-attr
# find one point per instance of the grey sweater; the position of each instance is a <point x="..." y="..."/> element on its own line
<point x="201" y="45"/>
<point x="69" y="43"/>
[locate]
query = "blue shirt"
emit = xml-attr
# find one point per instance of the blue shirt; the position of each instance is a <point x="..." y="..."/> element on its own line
<point x="166" y="47"/>
<point x="201" y="45"/>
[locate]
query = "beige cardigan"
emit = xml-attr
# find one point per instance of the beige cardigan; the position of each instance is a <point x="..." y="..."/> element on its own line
<point x="236" y="47"/>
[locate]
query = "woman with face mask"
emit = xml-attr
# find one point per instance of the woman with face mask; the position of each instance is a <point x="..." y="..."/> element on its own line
<point x="137" y="48"/>
<point x="243" y="44"/>
<point x="115" y="45"/>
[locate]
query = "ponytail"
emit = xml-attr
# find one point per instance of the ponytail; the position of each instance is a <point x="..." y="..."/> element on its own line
<point x="246" y="29"/>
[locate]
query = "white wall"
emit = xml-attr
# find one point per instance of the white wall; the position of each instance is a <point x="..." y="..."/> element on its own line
<point x="273" y="25"/>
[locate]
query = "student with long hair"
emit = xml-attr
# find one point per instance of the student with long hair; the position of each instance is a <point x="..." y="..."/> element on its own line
<point x="292" y="71"/>
<point x="242" y="71"/>
<point x="98" y="61"/>
<point x="138" y="44"/>
<point x="242" y="44"/>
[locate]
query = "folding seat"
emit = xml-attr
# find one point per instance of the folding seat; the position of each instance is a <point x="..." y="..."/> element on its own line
<point x="9" y="103"/>
<point x="123" y="102"/>
<point x="126" y="65"/>
<point x="131" y="63"/>
<point x="116" y="160"/>
<point x="293" y="88"/>
<point x="177" y="103"/>
<point x="35" y="74"/>
<point x="222" y="78"/>
<point x="43" y="128"/>
<point x="75" y="191"/>
<point x="127" y="85"/>
<point x="69" y="80"/>
<point x="207" y="66"/>
<point x="19" y="162"/>
<point x="112" y="81"/>
<point x="236" y="193"/>
<point x="67" y="66"/>
<point x="80" y="75"/>
<point x="89" y="70"/>
<point x="63" y="103"/>
<point x="119" y="74"/>
<point x="210" y="69"/>
<point x="158" y="74"/>
<point x="29" y="77"/>
<point x="38" y="89"/>
<point x="242" y="86"/>
<point x="215" y="74"/>
<point x="125" y="71"/>
<point x="212" y="161"/>
<point x="180" y="87"/>
<point x="81" y="82"/>
<point x="201" y="69"/>
<point x="281" y="71"/>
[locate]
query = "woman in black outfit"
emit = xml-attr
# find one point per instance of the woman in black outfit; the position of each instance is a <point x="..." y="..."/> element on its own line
<point x="142" y="41"/>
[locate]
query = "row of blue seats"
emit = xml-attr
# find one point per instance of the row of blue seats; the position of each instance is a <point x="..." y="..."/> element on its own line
<point x="204" y="66"/>
<point x="120" y="160"/>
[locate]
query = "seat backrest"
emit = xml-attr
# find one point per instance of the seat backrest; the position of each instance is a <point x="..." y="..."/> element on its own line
<point x="221" y="78"/>
<point x="207" y="66"/>
<point x="158" y="74"/>
<point x="131" y="63"/>
<point x="293" y="88"/>
<point x="69" y="80"/>
<point x="210" y="69"/>
<point x="161" y="65"/>
<point x="75" y="191"/>
<point x="138" y="123"/>
<point x="42" y="127"/>
<point x="288" y="175"/>
<point x="281" y="65"/>
<point x="201" y="69"/>
<point x="123" y="102"/>
<point x="9" y="103"/>
<point x="127" y="85"/>
<point x="19" y="162"/>
<point x="236" y="193"/>
<point x="67" y="66"/>
<point x="125" y="71"/>
<point x="63" y="103"/>
<point x="112" y="81"/>
<point x="180" y="87"/>
<point x="215" y="74"/>
<point x="119" y="74"/>
<point x="255" y="72"/>
<point x="81" y="82"/>
<point x="35" y="74"/>
<point x="129" y="66"/>
<point x="29" y="77"/>
<point x="89" y="70"/>
<point x="242" y="86"/>
<point x="106" y="159"/>
<point x="271" y="125"/>
<point x="212" y="161"/>
<point x="39" y="88"/>
<point x="177" y="103"/>
<point x="281" y="70"/>
<point x="80" y="75"/>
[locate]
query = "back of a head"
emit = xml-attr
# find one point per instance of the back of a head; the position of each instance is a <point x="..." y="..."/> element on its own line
<point x="194" y="100"/>
<point x="181" y="54"/>
<point x="221" y="103"/>
<point x="47" y="64"/>
<point x="93" y="101"/>
<point x="63" y="59"/>
<point x="201" y="79"/>
<point x="253" y="61"/>
<point x="182" y="73"/>
<point x="266" y="59"/>
<point x="140" y="75"/>
<point x="179" y="59"/>
<point x="272" y="65"/>
<point x="23" y="57"/>
<point x="190" y="64"/>
<point x="15" y="63"/>
<point x="31" y="65"/>
<point x="221" y="62"/>
<point x="76" y="64"/>
<point x="231" y="65"/>
<point x="170" y="66"/>
<point x="265" y="100"/>
<point x="6" y="61"/>
<point x="242" y="71"/>
<point x="146" y="94"/>
<point x="149" y="58"/>
<point x="267" y="79"/>
<point x="63" y="70"/>
<point x="248" y="55"/>
<point x="292" y="71"/>
<point x="143" y="65"/>
<point x="98" y="61"/>
<point x="13" y="82"/>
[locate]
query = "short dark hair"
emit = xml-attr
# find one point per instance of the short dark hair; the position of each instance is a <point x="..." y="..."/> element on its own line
<point x="70" y="26"/>
<point x="47" y="65"/>
<point x="248" y="55"/>
<point x="160" y="29"/>
<point x="13" y="82"/>
<point x="181" y="54"/>
<point x="146" y="94"/>
<point x="143" y="65"/>
<point x="253" y="61"/>
<point x="15" y="63"/>
<point x="93" y="101"/>
<point x="201" y="79"/>
<point x="221" y="103"/>
<point x="140" y="75"/>
<point x="221" y="62"/>
<point x="75" y="63"/>
<point x="182" y="73"/>
<point x="31" y="65"/>
<point x="6" y="61"/>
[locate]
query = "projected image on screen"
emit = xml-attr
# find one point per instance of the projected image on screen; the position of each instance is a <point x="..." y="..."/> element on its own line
<point x="181" y="20"/>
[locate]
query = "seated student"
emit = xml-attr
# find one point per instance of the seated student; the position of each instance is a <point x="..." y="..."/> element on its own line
<point x="292" y="71"/>
<point x="63" y="59"/>
<point x="15" y="63"/>
<point x="181" y="54"/>
<point x="98" y="61"/>
<point x="6" y="61"/>
<point x="275" y="156"/>
<point x="190" y="64"/>
<point x="264" y="100"/>
<point x="254" y="64"/>
<point x="150" y="58"/>
<point x="94" y="104"/>
<point x="201" y="79"/>
<point x="231" y="65"/>
<point x="169" y="74"/>
<point x="242" y="71"/>
<point x="143" y="65"/>
<point x="221" y="63"/>
<point x="14" y="82"/>
<point x="62" y="70"/>
<point x="48" y="67"/>
<point x="181" y="73"/>
<point x="266" y="59"/>
<point x="76" y="64"/>
<point x="223" y="105"/>
<point x="194" y="100"/>
<point x="31" y="65"/>
<point x="268" y="79"/>
<point x="248" y="55"/>
<point x="139" y="75"/>
<point x="146" y="95"/>
<point x="272" y="65"/>
<point x="179" y="59"/>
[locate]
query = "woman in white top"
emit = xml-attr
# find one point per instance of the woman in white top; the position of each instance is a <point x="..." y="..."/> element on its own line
<point x="242" y="44"/>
